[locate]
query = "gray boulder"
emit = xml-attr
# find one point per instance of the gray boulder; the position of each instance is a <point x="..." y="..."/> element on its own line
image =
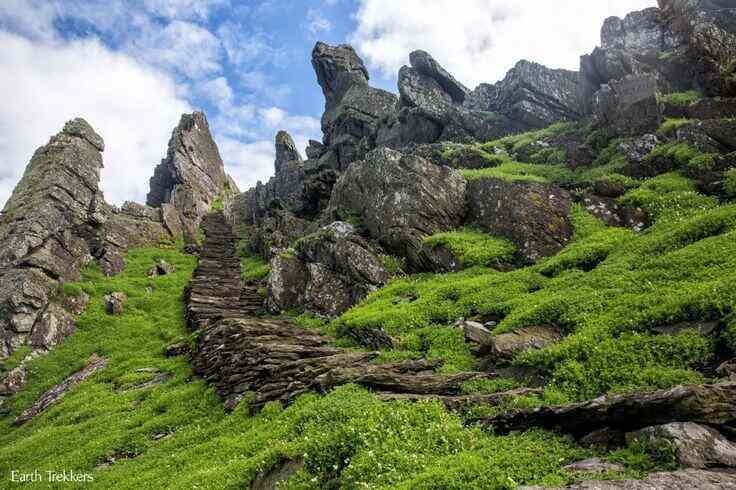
<point x="114" y="303"/>
<point x="534" y="216"/>
<point x="696" y="446"/>
<point x="629" y="105"/>
<point x="328" y="272"/>
<point x="426" y="94"/>
<point x="503" y="347"/>
<point x="401" y="199"/>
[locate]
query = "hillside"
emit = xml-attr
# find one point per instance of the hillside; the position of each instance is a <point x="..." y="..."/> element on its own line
<point x="530" y="284"/>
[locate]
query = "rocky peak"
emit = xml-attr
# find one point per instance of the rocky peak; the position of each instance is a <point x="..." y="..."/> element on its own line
<point x="638" y="31"/>
<point x="192" y="175"/>
<point x="352" y="107"/>
<point x="80" y="128"/>
<point x="338" y="68"/>
<point x="428" y="66"/>
<point x="286" y="151"/>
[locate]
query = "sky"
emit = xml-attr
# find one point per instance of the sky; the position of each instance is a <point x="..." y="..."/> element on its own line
<point x="132" y="67"/>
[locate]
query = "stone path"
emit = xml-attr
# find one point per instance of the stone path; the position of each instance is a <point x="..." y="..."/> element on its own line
<point x="264" y="359"/>
<point x="215" y="291"/>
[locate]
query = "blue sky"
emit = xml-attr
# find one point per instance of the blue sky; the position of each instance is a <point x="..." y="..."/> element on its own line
<point x="131" y="67"/>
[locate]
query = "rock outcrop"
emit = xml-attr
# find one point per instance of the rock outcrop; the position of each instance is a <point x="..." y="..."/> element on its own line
<point x="94" y="364"/>
<point x="352" y="107"/>
<point x="55" y="222"/>
<point x="192" y="175"/>
<point x="531" y="96"/>
<point x="534" y="216"/>
<point x="400" y="199"/>
<point x="682" y="45"/>
<point x="284" y="191"/>
<point x="328" y="272"/>
<point x="709" y="404"/>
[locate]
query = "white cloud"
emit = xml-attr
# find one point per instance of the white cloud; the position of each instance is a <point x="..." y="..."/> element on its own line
<point x="183" y="9"/>
<point x="276" y="118"/>
<point x="181" y="46"/>
<point x="480" y="40"/>
<point x="30" y="18"/>
<point x="316" y="23"/>
<point x="263" y="85"/>
<point x="217" y="91"/>
<point x="252" y="49"/>
<point x="133" y="107"/>
<point x="248" y="163"/>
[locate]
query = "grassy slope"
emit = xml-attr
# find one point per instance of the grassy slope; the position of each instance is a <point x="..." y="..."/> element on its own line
<point x="607" y="289"/>
<point x="397" y="445"/>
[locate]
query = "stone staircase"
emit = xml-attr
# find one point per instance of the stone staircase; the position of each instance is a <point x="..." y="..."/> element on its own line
<point x="215" y="291"/>
<point x="271" y="359"/>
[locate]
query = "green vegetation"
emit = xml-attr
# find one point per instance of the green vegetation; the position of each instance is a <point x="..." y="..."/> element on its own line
<point x="454" y="153"/>
<point x="176" y="434"/>
<point x="394" y="265"/>
<point x="254" y="269"/>
<point x="70" y="290"/>
<point x="14" y="360"/>
<point x="671" y="125"/>
<point x="607" y="289"/>
<point x="678" y="153"/>
<point x="730" y="182"/>
<point x="681" y="99"/>
<point x="473" y="248"/>
<point x="669" y="196"/>
<point x="518" y="142"/>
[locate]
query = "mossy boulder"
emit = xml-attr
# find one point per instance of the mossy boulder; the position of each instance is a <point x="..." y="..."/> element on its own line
<point x="534" y="216"/>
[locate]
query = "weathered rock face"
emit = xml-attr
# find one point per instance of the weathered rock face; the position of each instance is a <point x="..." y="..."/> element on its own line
<point x="704" y="404"/>
<point x="531" y="95"/>
<point x="277" y="230"/>
<point x="428" y="66"/>
<point x="535" y="217"/>
<point x="684" y="44"/>
<point x="628" y="105"/>
<point x="503" y="347"/>
<point x="192" y="175"/>
<point x="352" y="107"/>
<point x="639" y="44"/>
<point x="401" y="199"/>
<point x="708" y="30"/>
<point x="55" y="222"/>
<point x="330" y="271"/>
<point x="40" y="244"/>
<point x="696" y="446"/>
